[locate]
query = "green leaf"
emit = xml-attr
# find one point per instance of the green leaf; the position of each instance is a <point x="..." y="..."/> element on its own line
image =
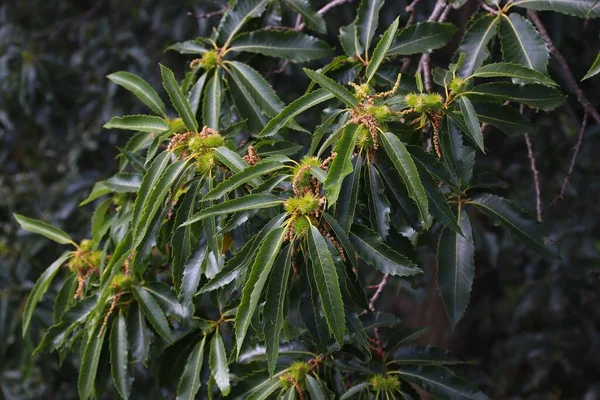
<point x="313" y="19"/>
<point x="56" y="337"/>
<point x="156" y="200"/>
<point x="594" y="69"/>
<point x="522" y="44"/>
<point x="471" y="121"/>
<point x="230" y="159"/>
<point x="505" y="118"/>
<point x="138" y="334"/>
<point x="403" y="206"/>
<point x="475" y="43"/>
<point x="98" y="191"/>
<point x="381" y="50"/>
<point x="141" y="89"/>
<point x="153" y="312"/>
<point x="259" y="89"/>
<point x="211" y="103"/>
<point x="190" y="381"/>
<point x="379" y="205"/>
<point x="456" y="268"/>
<point x="537" y="96"/>
<point x="440" y="382"/>
<point x="119" y="356"/>
<point x="408" y="171"/>
<point x="524" y="229"/>
<point x="341" y="165"/>
<point x="123" y="183"/>
<point x="44" y="229"/>
<point x="327" y="282"/>
<point x="192" y="272"/>
<point x="182" y="238"/>
<point x="366" y="22"/>
<point x="371" y="248"/>
<point x="89" y="365"/>
<point x="438" y="205"/>
<point x="349" y="40"/>
<point x="442" y="77"/>
<point x="291" y="45"/>
<point x="249" y="202"/>
<point x="166" y="297"/>
<point x="256" y="281"/>
<point x="429" y="162"/>
<point x="346" y="203"/>
<point x="64" y="297"/>
<point x="141" y="123"/>
<point x="512" y="70"/>
<point x="149" y="182"/>
<point x="218" y="363"/>
<point x="277" y="292"/>
<point x="242" y="258"/>
<point x="195" y="93"/>
<point x="340" y="92"/>
<point x="355" y="390"/>
<point x="237" y="180"/>
<point x="404" y="336"/>
<point x="458" y="158"/>
<point x="294" y="108"/>
<point x="421" y="38"/>
<point x="178" y="99"/>
<point x="41" y="286"/>
<point x="314" y="389"/>
<point x="237" y="16"/>
<point x="188" y="47"/>
<point x="343" y="238"/>
<point x="578" y="8"/>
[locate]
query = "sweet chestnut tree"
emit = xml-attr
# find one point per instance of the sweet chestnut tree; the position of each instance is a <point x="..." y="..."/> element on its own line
<point x="234" y="241"/>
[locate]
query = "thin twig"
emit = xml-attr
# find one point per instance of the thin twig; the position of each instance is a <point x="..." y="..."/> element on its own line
<point x="445" y="13"/>
<point x="54" y="30"/>
<point x="426" y="72"/>
<point x="299" y="24"/>
<point x="439" y="12"/>
<point x="323" y="10"/>
<point x="573" y="159"/>
<point x="378" y="292"/>
<point x="583" y="100"/>
<point x="330" y="5"/>
<point x="488" y="8"/>
<point x="410" y="9"/>
<point x="208" y="15"/>
<point x="536" y="177"/>
<point x="536" y="173"/>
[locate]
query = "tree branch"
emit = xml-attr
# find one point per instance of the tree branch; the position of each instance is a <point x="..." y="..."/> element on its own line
<point x="439" y="14"/>
<point x="378" y="292"/>
<point x="410" y="9"/>
<point x="209" y="14"/>
<point x="536" y="178"/>
<point x="330" y="5"/>
<point x="583" y="100"/>
<point x="488" y="8"/>
<point x="573" y="159"/>
<point x="437" y="11"/>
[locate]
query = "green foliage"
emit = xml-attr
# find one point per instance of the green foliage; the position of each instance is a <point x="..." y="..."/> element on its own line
<point x="221" y="238"/>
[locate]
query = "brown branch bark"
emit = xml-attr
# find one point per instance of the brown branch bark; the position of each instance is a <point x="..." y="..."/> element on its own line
<point x="583" y="100"/>
<point x="573" y="159"/>
<point x="536" y="178"/>
<point x="378" y="292"/>
<point x="439" y="14"/>
<point x="300" y="26"/>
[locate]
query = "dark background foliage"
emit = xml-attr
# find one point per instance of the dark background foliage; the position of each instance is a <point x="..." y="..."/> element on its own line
<point x="533" y="325"/>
